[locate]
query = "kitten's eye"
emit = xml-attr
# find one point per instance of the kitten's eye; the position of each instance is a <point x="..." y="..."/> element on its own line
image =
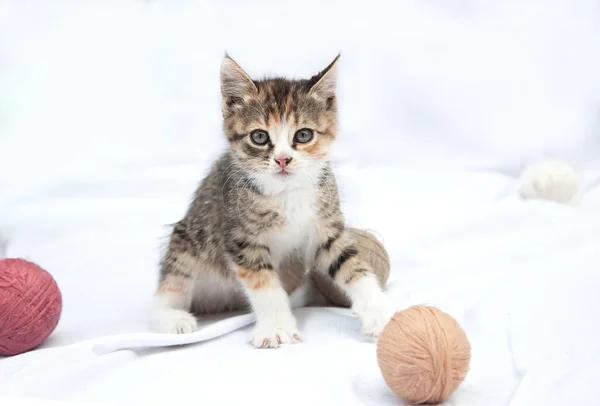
<point x="259" y="137"/>
<point x="303" y="136"/>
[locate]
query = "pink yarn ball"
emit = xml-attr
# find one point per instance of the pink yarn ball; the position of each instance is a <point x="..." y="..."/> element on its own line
<point x="30" y="306"/>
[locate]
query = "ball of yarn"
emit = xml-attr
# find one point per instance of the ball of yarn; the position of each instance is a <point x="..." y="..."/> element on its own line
<point x="30" y="306"/>
<point x="370" y="250"/>
<point x="550" y="180"/>
<point x="423" y="354"/>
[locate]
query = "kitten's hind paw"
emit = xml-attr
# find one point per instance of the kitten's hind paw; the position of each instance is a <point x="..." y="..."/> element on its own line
<point x="174" y="321"/>
<point x="374" y="319"/>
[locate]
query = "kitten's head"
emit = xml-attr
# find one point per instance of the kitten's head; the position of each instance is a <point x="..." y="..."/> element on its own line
<point x="279" y="127"/>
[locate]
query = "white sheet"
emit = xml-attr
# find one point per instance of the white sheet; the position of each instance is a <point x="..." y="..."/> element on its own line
<point x="520" y="277"/>
<point x="111" y="118"/>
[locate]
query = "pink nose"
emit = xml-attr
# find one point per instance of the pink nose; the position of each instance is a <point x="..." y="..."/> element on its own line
<point x="283" y="161"/>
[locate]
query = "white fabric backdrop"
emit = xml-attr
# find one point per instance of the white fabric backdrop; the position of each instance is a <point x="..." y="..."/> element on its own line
<point x="109" y="116"/>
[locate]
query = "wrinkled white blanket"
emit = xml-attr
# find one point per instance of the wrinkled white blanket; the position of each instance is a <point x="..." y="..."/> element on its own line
<point x="521" y="277"/>
<point x="109" y="116"/>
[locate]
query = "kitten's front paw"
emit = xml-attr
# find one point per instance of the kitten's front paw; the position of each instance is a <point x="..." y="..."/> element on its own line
<point x="375" y="318"/>
<point x="267" y="335"/>
<point x="174" y="321"/>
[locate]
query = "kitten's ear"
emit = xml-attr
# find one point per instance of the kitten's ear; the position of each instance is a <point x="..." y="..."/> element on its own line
<point x="236" y="85"/>
<point x="325" y="83"/>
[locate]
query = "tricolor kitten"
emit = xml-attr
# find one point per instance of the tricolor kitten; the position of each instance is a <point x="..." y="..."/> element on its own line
<point x="270" y="198"/>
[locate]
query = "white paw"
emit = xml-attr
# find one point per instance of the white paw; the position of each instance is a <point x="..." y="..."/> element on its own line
<point x="270" y="335"/>
<point x="375" y="318"/>
<point x="174" y="321"/>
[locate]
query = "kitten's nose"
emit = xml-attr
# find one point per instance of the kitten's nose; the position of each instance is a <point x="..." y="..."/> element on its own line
<point x="283" y="161"/>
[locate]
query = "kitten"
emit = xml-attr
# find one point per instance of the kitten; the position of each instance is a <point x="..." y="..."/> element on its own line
<point x="269" y="199"/>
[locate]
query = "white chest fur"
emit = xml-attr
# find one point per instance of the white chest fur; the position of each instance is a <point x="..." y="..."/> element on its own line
<point x="297" y="206"/>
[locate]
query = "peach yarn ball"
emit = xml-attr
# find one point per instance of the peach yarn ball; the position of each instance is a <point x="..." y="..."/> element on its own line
<point x="30" y="306"/>
<point x="423" y="354"/>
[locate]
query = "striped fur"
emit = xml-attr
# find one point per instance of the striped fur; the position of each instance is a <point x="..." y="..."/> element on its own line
<point x="250" y="216"/>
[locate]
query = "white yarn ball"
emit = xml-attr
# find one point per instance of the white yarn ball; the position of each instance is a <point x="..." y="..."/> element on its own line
<point x="550" y="180"/>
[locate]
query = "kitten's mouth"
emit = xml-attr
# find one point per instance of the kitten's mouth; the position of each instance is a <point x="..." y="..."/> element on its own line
<point x="283" y="173"/>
